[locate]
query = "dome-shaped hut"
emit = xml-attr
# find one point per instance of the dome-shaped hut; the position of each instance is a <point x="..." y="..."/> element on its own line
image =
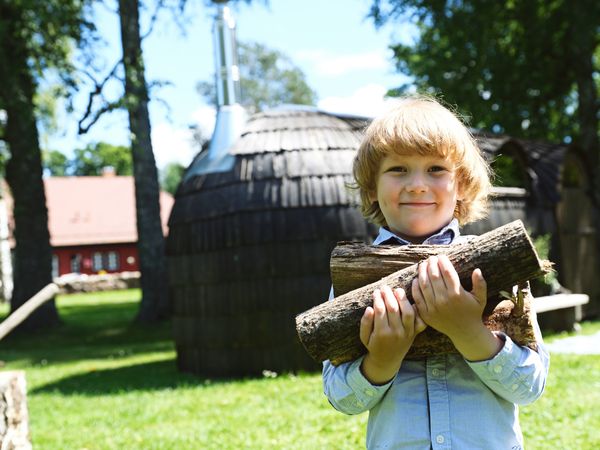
<point x="249" y="247"/>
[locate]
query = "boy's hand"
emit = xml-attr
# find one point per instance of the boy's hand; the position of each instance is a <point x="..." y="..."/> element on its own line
<point x="387" y="330"/>
<point x="446" y="306"/>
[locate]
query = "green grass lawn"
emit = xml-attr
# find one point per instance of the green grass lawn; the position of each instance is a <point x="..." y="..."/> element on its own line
<point x="99" y="382"/>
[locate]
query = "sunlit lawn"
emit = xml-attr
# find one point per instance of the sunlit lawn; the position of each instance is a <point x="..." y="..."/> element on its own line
<point x="99" y="382"/>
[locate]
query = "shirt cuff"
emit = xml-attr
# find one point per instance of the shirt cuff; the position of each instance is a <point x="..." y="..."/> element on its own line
<point x="502" y="364"/>
<point x="363" y="389"/>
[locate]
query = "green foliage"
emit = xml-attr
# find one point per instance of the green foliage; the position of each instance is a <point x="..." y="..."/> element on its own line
<point x="571" y="175"/>
<point x="268" y="78"/>
<point x="171" y="177"/>
<point x="117" y="385"/>
<point x="51" y="30"/>
<point x="55" y="163"/>
<point x="517" y="66"/>
<point x="89" y="161"/>
<point x="94" y="157"/>
<point x="508" y="172"/>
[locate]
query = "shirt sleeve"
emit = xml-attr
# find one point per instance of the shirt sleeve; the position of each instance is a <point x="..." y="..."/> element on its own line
<point x="517" y="374"/>
<point x="348" y="390"/>
<point x="346" y="387"/>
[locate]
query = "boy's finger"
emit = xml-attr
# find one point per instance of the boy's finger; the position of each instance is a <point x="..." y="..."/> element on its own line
<point x="406" y="310"/>
<point x="380" y="314"/>
<point x="424" y="284"/>
<point x="391" y="304"/>
<point x="479" y="286"/>
<point x="420" y="325"/>
<point x="451" y="278"/>
<point x="418" y="297"/>
<point x="366" y="326"/>
<point x="434" y="276"/>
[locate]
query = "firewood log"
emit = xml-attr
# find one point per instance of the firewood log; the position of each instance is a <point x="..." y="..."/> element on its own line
<point x="506" y="257"/>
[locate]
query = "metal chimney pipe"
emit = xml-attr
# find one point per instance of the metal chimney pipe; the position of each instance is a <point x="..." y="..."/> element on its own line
<point x="231" y="117"/>
<point x="227" y="70"/>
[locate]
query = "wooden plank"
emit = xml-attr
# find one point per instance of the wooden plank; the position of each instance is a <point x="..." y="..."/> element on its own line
<point x="559" y="301"/>
<point x="18" y="316"/>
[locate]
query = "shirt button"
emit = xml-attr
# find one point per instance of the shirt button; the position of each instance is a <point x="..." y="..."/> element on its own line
<point x="498" y="369"/>
<point x="369" y="393"/>
<point x="439" y="439"/>
<point x="435" y="372"/>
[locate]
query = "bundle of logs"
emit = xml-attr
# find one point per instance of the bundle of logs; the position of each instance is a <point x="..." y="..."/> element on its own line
<point x="506" y="257"/>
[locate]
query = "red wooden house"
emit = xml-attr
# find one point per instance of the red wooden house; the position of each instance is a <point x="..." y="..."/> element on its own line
<point x="92" y="223"/>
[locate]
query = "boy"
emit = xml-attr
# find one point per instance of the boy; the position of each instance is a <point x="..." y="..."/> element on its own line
<point x="420" y="174"/>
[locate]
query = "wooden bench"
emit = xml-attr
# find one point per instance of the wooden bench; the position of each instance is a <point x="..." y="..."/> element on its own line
<point x="560" y="312"/>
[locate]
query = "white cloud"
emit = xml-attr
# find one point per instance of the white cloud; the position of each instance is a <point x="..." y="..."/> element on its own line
<point x="175" y="144"/>
<point x="329" y="64"/>
<point x="171" y="144"/>
<point x="204" y="116"/>
<point x="368" y="101"/>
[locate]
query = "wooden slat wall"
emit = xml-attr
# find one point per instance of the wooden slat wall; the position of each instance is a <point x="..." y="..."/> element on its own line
<point x="249" y="249"/>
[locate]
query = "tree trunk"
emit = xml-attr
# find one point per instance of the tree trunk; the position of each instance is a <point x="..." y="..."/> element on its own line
<point x="151" y="243"/>
<point x="505" y="256"/>
<point x="584" y="40"/>
<point x="32" y="268"/>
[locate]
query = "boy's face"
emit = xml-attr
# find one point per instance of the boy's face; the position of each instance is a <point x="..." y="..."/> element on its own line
<point x="417" y="194"/>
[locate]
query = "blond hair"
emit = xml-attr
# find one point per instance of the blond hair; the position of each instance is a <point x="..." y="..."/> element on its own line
<point x="421" y="125"/>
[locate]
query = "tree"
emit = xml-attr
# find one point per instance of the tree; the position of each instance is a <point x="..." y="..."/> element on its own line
<point x="151" y="243"/>
<point x="93" y="158"/>
<point x="522" y="67"/>
<point x="89" y="161"/>
<point x="55" y="163"/>
<point x="171" y="176"/>
<point x="34" y="36"/>
<point x="267" y="78"/>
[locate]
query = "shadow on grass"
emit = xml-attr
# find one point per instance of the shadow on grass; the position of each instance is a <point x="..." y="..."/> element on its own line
<point x="158" y="375"/>
<point x="89" y="331"/>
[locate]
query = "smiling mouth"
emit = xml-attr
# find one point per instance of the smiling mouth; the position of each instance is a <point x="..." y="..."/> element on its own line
<point x="417" y="204"/>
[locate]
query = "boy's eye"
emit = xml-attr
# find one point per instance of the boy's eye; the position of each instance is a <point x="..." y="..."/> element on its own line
<point x="399" y="169"/>
<point x="437" y="169"/>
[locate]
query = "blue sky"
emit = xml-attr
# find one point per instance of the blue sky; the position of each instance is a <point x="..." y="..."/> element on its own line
<point x="346" y="61"/>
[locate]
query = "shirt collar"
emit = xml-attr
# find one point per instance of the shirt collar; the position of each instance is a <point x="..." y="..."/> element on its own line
<point x="445" y="236"/>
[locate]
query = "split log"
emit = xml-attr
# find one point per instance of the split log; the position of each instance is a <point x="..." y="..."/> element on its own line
<point x="355" y="264"/>
<point x="506" y="257"/>
<point x="14" y="418"/>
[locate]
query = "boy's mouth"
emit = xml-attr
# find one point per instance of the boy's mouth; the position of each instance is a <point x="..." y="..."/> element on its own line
<point x="417" y="204"/>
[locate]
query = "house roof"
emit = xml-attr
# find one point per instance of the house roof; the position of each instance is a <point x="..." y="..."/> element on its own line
<point x="94" y="210"/>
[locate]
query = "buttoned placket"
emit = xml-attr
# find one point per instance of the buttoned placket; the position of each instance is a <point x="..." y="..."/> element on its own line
<point x="439" y="403"/>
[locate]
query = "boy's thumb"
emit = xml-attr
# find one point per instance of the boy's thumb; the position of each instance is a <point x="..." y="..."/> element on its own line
<point x="366" y="326"/>
<point x="479" y="286"/>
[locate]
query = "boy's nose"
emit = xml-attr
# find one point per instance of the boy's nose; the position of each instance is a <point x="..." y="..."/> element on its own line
<point x="416" y="183"/>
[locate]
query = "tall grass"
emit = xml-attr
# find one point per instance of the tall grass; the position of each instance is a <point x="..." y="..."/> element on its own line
<point x="101" y="382"/>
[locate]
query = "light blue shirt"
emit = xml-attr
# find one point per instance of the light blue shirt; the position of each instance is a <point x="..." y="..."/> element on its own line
<point x="443" y="402"/>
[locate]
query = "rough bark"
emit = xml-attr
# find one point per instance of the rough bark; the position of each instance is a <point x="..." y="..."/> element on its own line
<point x="355" y="264"/>
<point x="505" y="256"/>
<point x="32" y="267"/>
<point x="14" y="418"/>
<point x="151" y="243"/>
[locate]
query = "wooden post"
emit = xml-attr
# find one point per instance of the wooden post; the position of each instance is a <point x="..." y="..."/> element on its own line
<point x="27" y="308"/>
<point x="506" y="257"/>
<point x="14" y="420"/>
